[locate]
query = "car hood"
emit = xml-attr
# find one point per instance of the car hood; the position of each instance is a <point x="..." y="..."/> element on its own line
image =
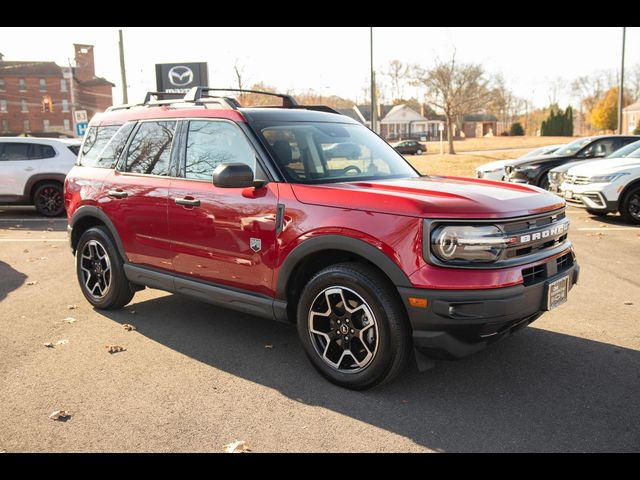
<point x="609" y="166"/>
<point x="432" y="197"/>
<point x="540" y="159"/>
<point x="487" y="167"/>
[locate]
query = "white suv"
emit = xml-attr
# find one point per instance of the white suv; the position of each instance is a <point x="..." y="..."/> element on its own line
<point x="604" y="187"/>
<point x="32" y="171"/>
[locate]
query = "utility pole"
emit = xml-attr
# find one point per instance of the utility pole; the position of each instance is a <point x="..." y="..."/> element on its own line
<point x="123" y="73"/>
<point x="374" y="106"/>
<point x="621" y="90"/>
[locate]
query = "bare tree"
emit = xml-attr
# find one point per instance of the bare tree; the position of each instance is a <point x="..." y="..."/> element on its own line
<point x="589" y="89"/>
<point x="397" y="72"/>
<point x="557" y="87"/>
<point x="239" y="71"/>
<point x="456" y="89"/>
<point x="632" y="82"/>
<point x="503" y="102"/>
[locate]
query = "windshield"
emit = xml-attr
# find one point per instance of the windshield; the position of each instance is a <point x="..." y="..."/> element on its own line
<point x="632" y="150"/>
<point x="573" y="147"/>
<point x="318" y="152"/>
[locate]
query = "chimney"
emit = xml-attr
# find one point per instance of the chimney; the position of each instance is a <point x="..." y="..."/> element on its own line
<point x="85" y="69"/>
<point x="1" y="57"/>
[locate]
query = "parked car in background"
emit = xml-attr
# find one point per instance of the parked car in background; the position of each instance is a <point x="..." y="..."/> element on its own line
<point x="606" y="187"/>
<point x="495" y="170"/>
<point x="557" y="175"/>
<point x="409" y="147"/>
<point x="535" y="170"/>
<point x="32" y="171"/>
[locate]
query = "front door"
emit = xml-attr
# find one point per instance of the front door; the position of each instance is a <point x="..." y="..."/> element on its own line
<point x="221" y="235"/>
<point x="18" y="162"/>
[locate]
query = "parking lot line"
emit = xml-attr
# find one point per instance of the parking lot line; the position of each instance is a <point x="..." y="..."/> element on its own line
<point x="33" y="240"/>
<point x="604" y="229"/>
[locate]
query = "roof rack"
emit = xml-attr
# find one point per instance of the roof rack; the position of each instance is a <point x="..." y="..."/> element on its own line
<point x="197" y="95"/>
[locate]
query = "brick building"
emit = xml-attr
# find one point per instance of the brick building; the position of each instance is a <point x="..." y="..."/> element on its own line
<point x="39" y="98"/>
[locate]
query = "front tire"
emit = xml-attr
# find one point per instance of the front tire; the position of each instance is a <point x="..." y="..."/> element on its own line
<point x="631" y="206"/>
<point x="100" y="271"/>
<point x="48" y="199"/>
<point x="353" y="327"/>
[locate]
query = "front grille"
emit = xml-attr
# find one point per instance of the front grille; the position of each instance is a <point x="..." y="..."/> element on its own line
<point x="577" y="180"/>
<point x="532" y="274"/>
<point x="528" y="228"/>
<point x="563" y="263"/>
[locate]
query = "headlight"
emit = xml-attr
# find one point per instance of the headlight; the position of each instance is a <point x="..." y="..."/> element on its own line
<point x="469" y="243"/>
<point x="528" y="168"/>
<point x="606" y="178"/>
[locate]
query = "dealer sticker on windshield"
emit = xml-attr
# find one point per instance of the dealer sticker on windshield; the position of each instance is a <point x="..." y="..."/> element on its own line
<point x="557" y="292"/>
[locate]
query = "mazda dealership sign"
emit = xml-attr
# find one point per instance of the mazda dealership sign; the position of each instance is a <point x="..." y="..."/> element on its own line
<point x="181" y="77"/>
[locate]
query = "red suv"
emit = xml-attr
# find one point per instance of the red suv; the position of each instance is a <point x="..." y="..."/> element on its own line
<point x="244" y="208"/>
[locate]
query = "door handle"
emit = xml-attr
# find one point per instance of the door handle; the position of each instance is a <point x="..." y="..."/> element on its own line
<point x="28" y="169"/>
<point x="117" y="193"/>
<point x="188" y="202"/>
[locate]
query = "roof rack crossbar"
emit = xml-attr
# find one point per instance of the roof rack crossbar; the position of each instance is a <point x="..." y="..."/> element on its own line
<point x="162" y="96"/>
<point x="196" y="93"/>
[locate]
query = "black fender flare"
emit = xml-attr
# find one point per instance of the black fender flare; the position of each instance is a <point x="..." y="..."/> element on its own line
<point x="42" y="177"/>
<point x="92" y="211"/>
<point x="339" y="242"/>
<point x="625" y="191"/>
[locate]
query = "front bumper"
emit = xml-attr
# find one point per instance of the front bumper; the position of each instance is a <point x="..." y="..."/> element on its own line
<point x="457" y="323"/>
<point x="603" y="199"/>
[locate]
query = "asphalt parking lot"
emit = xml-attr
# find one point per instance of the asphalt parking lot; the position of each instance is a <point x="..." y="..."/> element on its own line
<point x="194" y="377"/>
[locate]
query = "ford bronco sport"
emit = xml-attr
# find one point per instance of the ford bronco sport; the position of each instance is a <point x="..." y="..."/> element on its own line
<point x="243" y="208"/>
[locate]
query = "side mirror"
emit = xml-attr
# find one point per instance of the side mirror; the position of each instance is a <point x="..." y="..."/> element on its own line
<point x="235" y="175"/>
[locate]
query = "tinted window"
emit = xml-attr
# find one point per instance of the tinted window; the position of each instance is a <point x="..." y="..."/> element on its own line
<point x="114" y="147"/>
<point x="94" y="142"/>
<point x="150" y="149"/>
<point x="14" y="151"/>
<point x="75" y="149"/>
<point x="211" y="143"/>
<point x="39" y="151"/>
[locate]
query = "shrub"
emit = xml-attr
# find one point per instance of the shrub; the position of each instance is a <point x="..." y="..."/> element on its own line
<point x="516" y="129"/>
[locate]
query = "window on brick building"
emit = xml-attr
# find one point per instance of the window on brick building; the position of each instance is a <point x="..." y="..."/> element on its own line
<point x="22" y="84"/>
<point x="5" y="125"/>
<point x="65" y="105"/>
<point x="67" y="124"/>
<point x="1" y="84"/>
<point x="45" y="125"/>
<point x="63" y="85"/>
<point x="25" y="126"/>
<point x="3" y="105"/>
<point x="43" y="85"/>
<point x="23" y="106"/>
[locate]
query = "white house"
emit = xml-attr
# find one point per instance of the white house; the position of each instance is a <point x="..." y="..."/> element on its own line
<point x="403" y="122"/>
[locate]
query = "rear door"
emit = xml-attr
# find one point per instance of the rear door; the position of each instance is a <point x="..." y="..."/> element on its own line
<point x="221" y="235"/>
<point x="134" y="195"/>
<point x="18" y="162"/>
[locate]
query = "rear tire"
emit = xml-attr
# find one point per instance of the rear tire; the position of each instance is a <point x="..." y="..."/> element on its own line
<point x="100" y="271"/>
<point x="630" y="209"/>
<point x="360" y="346"/>
<point x="419" y="152"/>
<point x="48" y="199"/>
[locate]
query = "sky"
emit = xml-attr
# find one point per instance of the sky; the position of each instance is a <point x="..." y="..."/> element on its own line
<point x="334" y="60"/>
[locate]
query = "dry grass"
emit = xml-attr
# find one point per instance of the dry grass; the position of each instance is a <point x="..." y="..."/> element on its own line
<point x="461" y="165"/>
<point x="497" y="143"/>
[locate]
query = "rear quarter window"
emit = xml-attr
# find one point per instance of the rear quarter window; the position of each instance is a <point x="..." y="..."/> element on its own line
<point x="93" y="144"/>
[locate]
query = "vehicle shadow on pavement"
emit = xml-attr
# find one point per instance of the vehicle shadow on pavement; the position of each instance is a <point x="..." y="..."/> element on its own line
<point x="10" y="279"/>
<point x="612" y="220"/>
<point x="535" y="391"/>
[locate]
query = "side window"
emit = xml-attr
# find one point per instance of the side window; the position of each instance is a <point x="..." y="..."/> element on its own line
<point x="94" y="142"/>
<point x="41" y="151"/>
<point x="210" y="143"/>
<point x="15" y="151"/>
<point x="111" y="152"/>
<point x="150" y="150"/>
<point x="603" y="147"/>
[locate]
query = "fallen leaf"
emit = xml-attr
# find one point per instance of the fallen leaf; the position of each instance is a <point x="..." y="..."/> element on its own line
<point x="602" y="225"/>
<point x="303" y="427"/>
<point x="19" y="225"/>
<point x="48" y="345"/>
<point x="596" y="234"/>
<point x="404" y="401"/>
<point x="268" y="346"/>
<point x="628" y="302"/>
<point x="113" y="348"/>
<point x="32" y="283"/>
<point x="64" y="341"/>
<point x="61" y="415"/>
<point x="49" y="229"/>
<point x="70" y="320"/>
<point x="133" y="312"/>
<point x="72" y="307"/>
<point x="42" y="258"/>
<point x="237" y="446"/>
<point x="128" y="327"/>
<point x="25" y="251"/>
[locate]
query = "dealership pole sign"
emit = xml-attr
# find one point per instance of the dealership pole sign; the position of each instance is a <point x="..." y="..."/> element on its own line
<point x="181" y="77"/>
